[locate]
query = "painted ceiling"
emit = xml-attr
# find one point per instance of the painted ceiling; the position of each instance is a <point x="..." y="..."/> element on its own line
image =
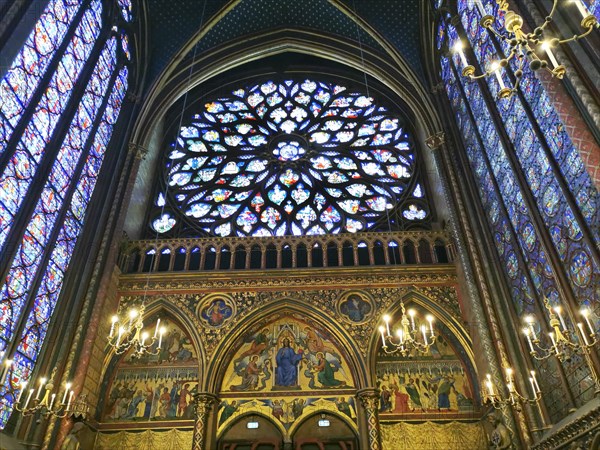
<point x="174" y="22"/>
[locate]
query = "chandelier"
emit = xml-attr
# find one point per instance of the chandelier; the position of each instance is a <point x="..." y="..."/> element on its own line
<point x="46" y="401"/>
<point x="492" y="396"/>
<point x="563" y="340"/>
<point x="126" y="332"/>
<point x="523" y="47"/>
<point x="409" y="338"/>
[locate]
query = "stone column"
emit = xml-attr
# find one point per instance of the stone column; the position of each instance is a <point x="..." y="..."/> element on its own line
<point x="369" y="399"/>
<point x="204" y="403"/>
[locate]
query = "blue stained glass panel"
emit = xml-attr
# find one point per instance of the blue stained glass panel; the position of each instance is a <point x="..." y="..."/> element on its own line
<point x="49" y="290"/>
<point x="30" y="65"/>
<point x="549" y="196"/>
<point x="19" y="171"/>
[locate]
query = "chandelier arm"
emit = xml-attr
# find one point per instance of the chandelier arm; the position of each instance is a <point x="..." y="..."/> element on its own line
<point x="576" y="37"/>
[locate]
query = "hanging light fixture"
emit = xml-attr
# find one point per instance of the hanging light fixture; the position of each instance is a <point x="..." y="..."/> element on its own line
<point x="48" y="402"/>
<point x="492" y="396"/>
<point x="523" y="47"/>
<point x="564" y="341"/>
<point x="126" y="331"/>
<point x="408" y="338"/>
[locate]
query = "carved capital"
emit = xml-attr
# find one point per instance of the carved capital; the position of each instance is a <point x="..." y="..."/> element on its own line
<point x="138" y="151"/>
<point x="369" y="398"/>
<point x="203" y="402"/>
<point x="436" y="140"/>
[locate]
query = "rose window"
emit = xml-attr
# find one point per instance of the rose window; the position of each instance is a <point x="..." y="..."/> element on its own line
<point x="293" y="157"/>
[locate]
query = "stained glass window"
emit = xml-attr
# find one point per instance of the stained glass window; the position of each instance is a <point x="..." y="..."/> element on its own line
<point x="38" y="265"/>
<point x="290" y="157"/>
<point x="534" y="147"/>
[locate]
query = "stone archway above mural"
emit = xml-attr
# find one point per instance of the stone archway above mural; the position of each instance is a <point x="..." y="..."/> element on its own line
<point x="286" y="367"/>
<point x="153" y="388"/>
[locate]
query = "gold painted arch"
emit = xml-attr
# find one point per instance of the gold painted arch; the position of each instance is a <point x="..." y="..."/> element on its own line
<point x="232" y="342"/>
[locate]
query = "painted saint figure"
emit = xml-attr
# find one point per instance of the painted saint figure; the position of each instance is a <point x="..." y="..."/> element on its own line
<point x="249" y="376"/>
<point x="286" y="372"/>
<point x="325" y="372"/>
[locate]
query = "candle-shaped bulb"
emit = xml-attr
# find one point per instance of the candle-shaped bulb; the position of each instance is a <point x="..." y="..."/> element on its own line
<point x="387" y="319"/>
<point x="157" y="328"/>
<point x="495" y="67"/>
<point x="8" y="362"/>
<point x="558" y="311"/>
<point x="42" y="383"/>
<point x="480" y="7"/>
<point x="114" y="319"/>
<point x="458" y="48"/>
<point x="429" y="319"/>
<point x="382" y="331"/>
<point x="67" y="387"/>
<point x="133" y="313"/>
<point x="23" y="386"/>
<point x="586" y="315"/>
<point x="585" y="341"/>
<point x="547" y="47"/>
<point x="400" y="334"/>
<point x="509" y="374"/>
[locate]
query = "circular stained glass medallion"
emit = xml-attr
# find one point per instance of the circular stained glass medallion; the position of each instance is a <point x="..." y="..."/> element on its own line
<point x="581" y="268"/>
<point x="293" y="157"/>
<point x="550" y="201"/>
<point x="512" y="265"/>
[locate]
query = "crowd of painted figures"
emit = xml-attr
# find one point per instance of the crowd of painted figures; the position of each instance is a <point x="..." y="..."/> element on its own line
<point x="163" y="399"/>
<point x="423" y="392"/>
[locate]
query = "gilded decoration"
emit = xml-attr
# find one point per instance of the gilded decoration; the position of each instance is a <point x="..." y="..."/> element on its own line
<point x="434" y="385"/>
<point x="173" y="439"/>
<point x="252" y="281"/>
<point x="287" y="354"/>
<point x="286" y="368"/>
<point x="324" y="300"/>
<point x="434" y="436"/>
<point x="157" y="387"/>
<point x="287" y="411"/>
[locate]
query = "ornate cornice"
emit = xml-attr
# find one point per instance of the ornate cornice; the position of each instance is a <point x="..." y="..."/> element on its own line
<point x="322" y="300"/>
<point x="578" y="433"/>
<point x="277" y="279"/>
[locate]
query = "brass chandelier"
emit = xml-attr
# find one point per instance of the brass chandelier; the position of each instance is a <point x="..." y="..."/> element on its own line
<point x="523" y="47"/>
<point x="408" y="338"/>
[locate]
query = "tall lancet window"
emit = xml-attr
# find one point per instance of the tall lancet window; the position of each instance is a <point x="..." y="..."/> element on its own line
<point x="61" y="98"/>
<point x="299" y="157"/>
<point x="541" y="205"/>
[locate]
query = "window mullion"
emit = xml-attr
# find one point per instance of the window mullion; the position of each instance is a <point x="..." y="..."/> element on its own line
<point x="563" y="184"/>
<point x="515" y="241"/>
<point x="558" y="268"/>
<point x="23" y="215"/>
<point x="19" y="129"/>
<point x="19" y="330"/>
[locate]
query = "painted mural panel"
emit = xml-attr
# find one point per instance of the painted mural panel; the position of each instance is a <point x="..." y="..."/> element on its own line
<point x="155" y="387"/>
<point x="434" y="385"/>
<point x="286" y="369"/>
<point x="287" y="355"/>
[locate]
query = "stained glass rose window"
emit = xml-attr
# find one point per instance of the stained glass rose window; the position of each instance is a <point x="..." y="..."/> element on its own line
<point x="298" y="158"/>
